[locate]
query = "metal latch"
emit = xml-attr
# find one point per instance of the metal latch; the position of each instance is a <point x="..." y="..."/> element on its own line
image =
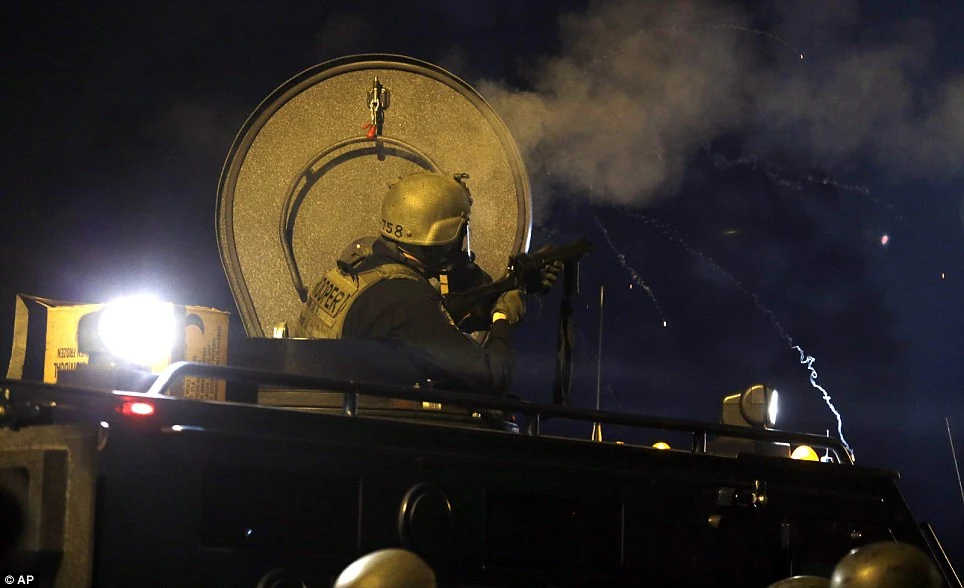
<point x="753" y="498"/>
<point x="379" y="97"/>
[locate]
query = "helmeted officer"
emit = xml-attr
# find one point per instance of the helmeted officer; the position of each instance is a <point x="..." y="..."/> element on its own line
<point x="382" y="288"/>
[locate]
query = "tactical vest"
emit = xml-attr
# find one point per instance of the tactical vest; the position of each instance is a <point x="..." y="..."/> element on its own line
<point x="323" y="316"/>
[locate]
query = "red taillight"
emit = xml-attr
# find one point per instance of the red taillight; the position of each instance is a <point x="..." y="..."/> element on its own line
<point x="133" y="407"/>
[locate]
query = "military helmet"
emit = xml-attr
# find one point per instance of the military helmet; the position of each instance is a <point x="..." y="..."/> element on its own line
<point x="426" y="208"/>
<point x="387" y="568"/>
<point x="886" y="565"/>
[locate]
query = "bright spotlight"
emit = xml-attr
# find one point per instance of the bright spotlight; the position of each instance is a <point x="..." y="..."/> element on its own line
<point x="754" y="407"/>
<point x="138" y="329"/>
<point x="773" y="407"/>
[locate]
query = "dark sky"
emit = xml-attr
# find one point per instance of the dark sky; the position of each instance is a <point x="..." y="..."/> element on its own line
<point x="775" y="174"/>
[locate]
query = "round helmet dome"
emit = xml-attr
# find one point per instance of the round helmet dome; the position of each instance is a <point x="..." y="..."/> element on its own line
<point x="425" y="208"/>
<point x="387" y="568"/>
<point x="886" y="565"/>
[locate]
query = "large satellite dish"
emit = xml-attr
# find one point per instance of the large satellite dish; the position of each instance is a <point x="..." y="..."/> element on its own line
<point x="308" y="170"/>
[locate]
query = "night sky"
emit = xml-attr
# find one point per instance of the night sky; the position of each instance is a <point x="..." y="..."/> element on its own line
<point x="757" y="175"/>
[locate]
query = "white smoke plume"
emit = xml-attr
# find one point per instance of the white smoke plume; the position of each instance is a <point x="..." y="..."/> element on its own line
<point x="641" y="87"/>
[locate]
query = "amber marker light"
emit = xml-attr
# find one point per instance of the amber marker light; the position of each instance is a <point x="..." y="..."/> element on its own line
<point x="804" y="453"/>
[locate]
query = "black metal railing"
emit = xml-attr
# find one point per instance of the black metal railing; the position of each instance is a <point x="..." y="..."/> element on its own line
<point x="532" y="413"/>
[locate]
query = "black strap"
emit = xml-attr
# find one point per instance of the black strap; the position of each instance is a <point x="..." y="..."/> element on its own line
<point x="566" y="334"/>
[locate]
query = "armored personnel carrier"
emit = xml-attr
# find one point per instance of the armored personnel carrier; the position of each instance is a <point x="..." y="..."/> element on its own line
<point x="315" y="453"/>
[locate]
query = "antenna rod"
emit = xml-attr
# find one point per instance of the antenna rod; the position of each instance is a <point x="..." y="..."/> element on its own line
<point x="599" y="349"/>
<point x="597" y="427"/>
<point x="950" y="439"/>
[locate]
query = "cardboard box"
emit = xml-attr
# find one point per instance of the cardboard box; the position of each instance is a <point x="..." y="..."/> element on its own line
<point x="45" y="343"/>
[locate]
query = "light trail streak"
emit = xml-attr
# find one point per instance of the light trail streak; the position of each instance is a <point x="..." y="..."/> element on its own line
<point x="797" y="184"/>
<point x="637" y="279"/>
<point x="805" y="358"/>
<point x="808" y="360"/>
<point x="743" y="29"/>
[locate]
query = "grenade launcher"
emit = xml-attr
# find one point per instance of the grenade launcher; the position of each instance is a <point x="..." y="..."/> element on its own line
<point x="524" y="272"/>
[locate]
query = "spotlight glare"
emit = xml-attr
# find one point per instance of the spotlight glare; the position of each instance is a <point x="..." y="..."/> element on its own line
<point x="773" y="408"/>
<point x="138" y="329"/>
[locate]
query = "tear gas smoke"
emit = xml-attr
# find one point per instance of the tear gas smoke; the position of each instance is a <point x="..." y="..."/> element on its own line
<point x="642" y="86"/>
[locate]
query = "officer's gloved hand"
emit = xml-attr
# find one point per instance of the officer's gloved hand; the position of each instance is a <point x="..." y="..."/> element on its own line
<point x="511" y="306"/>
<point x="550" y="274"/>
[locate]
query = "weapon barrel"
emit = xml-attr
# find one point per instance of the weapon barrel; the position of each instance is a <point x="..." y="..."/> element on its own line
<point x="522" y="269"/>
<point x="571" y="251"/>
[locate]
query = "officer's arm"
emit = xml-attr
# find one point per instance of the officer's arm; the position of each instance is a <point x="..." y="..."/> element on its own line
<point x="481" y="369"/>
<point x="466" y="277"/>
